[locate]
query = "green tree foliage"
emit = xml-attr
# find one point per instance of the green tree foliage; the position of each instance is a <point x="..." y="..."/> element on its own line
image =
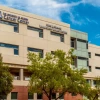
<point x="94" y="93"/>
<point x="5" y="80"/>
<point x="53" y="74"/>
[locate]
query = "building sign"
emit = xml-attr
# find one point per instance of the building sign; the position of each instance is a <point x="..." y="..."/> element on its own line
<point x="13" y="18"/>
<point x="53" y="28"/>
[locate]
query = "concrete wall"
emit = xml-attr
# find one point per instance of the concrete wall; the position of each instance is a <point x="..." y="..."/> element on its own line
<point x="94" y="61"/>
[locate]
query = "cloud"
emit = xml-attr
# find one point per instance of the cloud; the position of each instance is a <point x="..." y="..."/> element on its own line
<point x="97" y="36"/>
<point x="91" y="21"/>
<point x="51" y="8"/>
<point x="95" y="3"/>
<point x="47" y="8"/>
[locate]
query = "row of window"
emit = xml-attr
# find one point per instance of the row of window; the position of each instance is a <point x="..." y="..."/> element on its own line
<point x="91" y="82"/>
<point x="78" y="43"/>
<point x="61" y="36"/>
<point x="90" y="69"/>
<point x="14" y="95"/>
<point x="16" y="49"/>
<point x="16" y="29"/>
<point x="89" y="54"/>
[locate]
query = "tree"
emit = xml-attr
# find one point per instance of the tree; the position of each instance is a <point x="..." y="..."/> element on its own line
<point x="5" y="80"/>
<point x="53" y="74"/>
<point x="94" y="93"/>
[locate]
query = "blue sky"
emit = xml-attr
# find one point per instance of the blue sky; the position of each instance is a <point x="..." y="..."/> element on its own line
<point x="83" y="15"/>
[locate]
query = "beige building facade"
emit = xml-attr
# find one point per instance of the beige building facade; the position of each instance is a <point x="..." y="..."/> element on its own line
<point x="21" y="32"/>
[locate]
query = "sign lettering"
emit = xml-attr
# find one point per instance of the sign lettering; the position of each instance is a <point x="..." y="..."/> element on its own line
<point x="13" y="18"/>
<point x="53" y="28"/>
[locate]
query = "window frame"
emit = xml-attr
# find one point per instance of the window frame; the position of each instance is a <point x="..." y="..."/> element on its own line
<point x="16" y="97"/>
<point x="37" y="30"/>
<point x="89" y="54"/>
<point x="58" y="34"/>
<point x="39" y="95"/>
<point x="11" y="24"/>
<point x="14" y="47"/>
<point x="98" y="55"/>
<point x="36" y="50"/>
<point x="30" y="96"/>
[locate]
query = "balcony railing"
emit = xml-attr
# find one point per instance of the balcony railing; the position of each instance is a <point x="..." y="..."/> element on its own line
<point x="16" y="78"/>
<point x="26" y="78"/>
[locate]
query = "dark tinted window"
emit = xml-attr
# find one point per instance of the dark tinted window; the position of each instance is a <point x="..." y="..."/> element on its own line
<point x="97" y="68"/>
<point x="15" y="47"/>
<point x="36" y="29"/>
<point x="97" y="54"/>
<point x="94" y="82"/>
<point x="15" y="25"/>
<point x="89" y="54"/>
<point x="36" y="50"/>
<point x="53" y="95"/>
<point x="39" y="95"/>
<point x="90" y="69"/>
<point x="73" y="43"/>
<point x="30" y="96"/>
<point x="13" y="95"/>
<point x="61" y="96"/>
<point x="60" y="35"/>
<point x="16" y="51"/>
<point x="41" y="34"/>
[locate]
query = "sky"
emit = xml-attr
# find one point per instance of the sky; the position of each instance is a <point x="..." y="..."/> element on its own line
<point x="82" y="15"/>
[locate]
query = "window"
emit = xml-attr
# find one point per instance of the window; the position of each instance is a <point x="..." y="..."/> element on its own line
<point x="3" y="97"/>
<point x="36" y="50"/>
<point x="87" y="62"/>
<point x="97" y="68"/>
<point x="41" y="34"/>
<point x="61" y="96"/>
<point x="94" y="82"/>
<point x="15" y="52"/>
<point x="97" y="54"/>
<point x="52" y="52"/>
<point x="60" y="35"/>
<point x="39" y="95"/>
<point x="82" y="62"/>
<point x="30" y="96"/>
<point x="81" y="44"/>
<point x="15" y="25"/>
<point x="53" y="95"/>
<point x="15" y="47"/>
<point x="73" y="43"/>
<point x="89" y="54"/>
<point x="36" y="29"/>
<point x="74" y="62"/>
<point x="14" y="95"/>
<point x="87" y="45"/>
<point x="90" y="69"/>
<point x="89" y="81"/>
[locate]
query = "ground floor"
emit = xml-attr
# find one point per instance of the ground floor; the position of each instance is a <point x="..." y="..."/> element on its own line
<point x="21" y="93"/>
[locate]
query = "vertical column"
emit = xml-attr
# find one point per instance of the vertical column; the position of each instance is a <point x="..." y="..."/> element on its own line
<point x="9" y="96"/>
<point x="35" y="96"/>
<point x="67" y="37"/>
<point x="46" y="37"/>
<point x="21" y="74"/>
<point x="57" y="95"/>
<point x="22" y="29"/>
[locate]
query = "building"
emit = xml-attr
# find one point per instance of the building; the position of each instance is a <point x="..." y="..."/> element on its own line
<point x="21" y="32"/>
